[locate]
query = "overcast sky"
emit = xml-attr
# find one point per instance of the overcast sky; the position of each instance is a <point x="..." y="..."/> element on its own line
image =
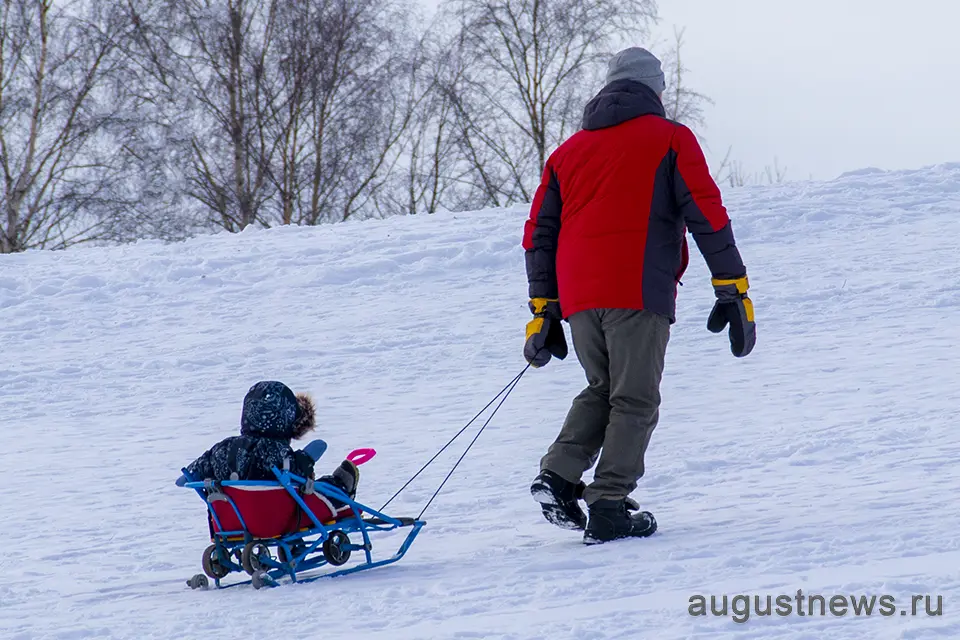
<point x="826" y="86"/>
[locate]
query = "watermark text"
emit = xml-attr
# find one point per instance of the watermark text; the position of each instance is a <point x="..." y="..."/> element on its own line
<point x="741" y="607"/>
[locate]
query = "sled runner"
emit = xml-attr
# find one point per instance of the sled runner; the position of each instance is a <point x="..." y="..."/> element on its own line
<point x="271" y="529"/>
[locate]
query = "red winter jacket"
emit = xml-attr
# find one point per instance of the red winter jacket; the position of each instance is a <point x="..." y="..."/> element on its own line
<point x="608" y="224"/>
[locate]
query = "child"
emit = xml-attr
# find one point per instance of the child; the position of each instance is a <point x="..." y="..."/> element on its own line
<point x="272" y="416"/>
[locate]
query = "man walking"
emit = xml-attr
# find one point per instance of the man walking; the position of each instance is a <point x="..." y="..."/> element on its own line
<point x="605" y="248"/>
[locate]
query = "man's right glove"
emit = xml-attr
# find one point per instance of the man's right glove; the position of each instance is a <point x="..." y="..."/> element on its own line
<point x="545" y="337"/>
<point x="735" y="308"/>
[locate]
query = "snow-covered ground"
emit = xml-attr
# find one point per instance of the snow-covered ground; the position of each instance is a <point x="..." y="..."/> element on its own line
<point x="826" y="461"/>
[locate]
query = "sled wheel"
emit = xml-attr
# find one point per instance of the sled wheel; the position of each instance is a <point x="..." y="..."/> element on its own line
<point x="253" y="555"/>
<point x="198" y="581"/>
<point x="334" y="548"/>
<point x="296" y="549"/>
<point x="211" y="563"/>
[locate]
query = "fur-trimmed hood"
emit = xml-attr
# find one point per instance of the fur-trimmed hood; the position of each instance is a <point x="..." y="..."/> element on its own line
<point x="272" y="410"/>
<point x="306" y="416"/>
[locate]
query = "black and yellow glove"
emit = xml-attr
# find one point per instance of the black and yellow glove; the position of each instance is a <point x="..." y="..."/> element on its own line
<point x="545" y="337"/>
<point x="735" y="308"/>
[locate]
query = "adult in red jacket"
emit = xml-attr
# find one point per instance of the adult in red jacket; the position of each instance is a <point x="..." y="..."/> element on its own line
<point x="605" y="248"/>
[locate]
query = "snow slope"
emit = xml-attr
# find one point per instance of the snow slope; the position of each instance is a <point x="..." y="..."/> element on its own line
<point x="826" y="461"/>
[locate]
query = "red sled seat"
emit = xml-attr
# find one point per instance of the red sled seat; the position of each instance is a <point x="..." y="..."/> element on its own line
<point x="271" y="512"/>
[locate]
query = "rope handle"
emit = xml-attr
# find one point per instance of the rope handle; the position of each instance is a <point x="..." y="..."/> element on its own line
<point x="513" y="386"/>
<point x="508" y="389"/>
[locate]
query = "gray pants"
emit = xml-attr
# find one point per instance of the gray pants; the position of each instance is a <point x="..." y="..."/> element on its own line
<point x="622" y="353"/>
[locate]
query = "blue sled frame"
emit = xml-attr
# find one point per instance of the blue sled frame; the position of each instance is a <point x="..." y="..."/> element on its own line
<point x="296" y="553"/>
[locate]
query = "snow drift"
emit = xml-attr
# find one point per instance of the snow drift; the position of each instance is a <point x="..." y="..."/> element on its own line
<point x="825" y="461"/>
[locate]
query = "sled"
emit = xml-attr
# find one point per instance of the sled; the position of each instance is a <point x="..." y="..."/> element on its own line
<point x="272" y="530"/>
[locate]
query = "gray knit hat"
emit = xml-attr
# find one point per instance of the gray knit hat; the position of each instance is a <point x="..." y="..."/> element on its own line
<point x="639" y="65"/>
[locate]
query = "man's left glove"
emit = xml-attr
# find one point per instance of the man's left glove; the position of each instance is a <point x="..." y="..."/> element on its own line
<point x="545" y="337"/>
<point x="735" y="308"/>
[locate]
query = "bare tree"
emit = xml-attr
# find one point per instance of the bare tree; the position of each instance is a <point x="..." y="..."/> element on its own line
<point x="680" y="101"/>
<point x="531" y="65"/>
<point x="296" y="108"/>
<point x="151" y="132"/>
<point x="292" y="69"/>
<point x="213" y="56"/>
<point x="156" y="117"/>
<point x="359" y="105"/>
<point x="432" y="151"/>
<point x="735" y="174"/>
<point x="686" y="105"/>
<point x="430" y="172"/>
<point x="775" y="174"/>
<point x="723" y="170"/>
<point x="63" y="168"/>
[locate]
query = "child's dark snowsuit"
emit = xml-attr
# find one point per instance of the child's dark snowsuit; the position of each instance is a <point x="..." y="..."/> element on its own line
<point x="272" y="416"/>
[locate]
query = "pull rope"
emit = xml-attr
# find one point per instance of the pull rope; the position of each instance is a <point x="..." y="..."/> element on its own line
<point x="513" y="385"/>
<point x="507" y="389"/>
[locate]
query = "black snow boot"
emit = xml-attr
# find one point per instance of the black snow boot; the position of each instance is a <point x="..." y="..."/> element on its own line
<point x="613" y="520"/>
<point x="345" y="477"/>
<point x="558" y="500"/>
